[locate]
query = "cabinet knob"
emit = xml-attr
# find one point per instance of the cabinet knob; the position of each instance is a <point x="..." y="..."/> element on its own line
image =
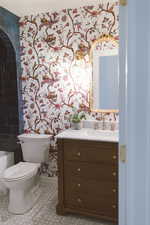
<point x="114" y="190"/>
<point x="114" y="157"/>
<point x="114" y="206"/>
<point x="114" y="174"/>
<point x="79" y="185"/>
<point x="78" y="154"/>
<point x="78" y="169"/>
<point x="79" y="200"/>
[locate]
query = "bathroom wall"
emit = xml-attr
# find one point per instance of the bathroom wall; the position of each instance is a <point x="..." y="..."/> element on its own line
<point x="53" y="81"/>
<point x="11" y="120"/>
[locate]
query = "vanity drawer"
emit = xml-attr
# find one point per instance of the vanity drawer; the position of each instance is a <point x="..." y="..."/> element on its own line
<point x="101" y="172"/>
<point x="88" y="151"/>
<point x="91" y="188"/>
<point x="102" y="206"/>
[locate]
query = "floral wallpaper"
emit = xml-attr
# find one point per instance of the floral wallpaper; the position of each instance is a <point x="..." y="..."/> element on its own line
<point x="53" y="79"/>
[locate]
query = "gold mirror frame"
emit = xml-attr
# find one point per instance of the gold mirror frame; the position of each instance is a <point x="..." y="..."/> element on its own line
<point x="101" y="39"/>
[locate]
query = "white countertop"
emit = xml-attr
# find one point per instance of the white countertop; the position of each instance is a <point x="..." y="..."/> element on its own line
<point x="90" y="134"/>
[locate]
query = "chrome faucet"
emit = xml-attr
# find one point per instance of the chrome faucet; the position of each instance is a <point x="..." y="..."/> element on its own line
<point x="113" y="126"/>
<point x="103" y="121"/>
<point x="96" y="125"/>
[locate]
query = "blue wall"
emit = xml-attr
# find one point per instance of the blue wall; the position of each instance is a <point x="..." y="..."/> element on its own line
<point x="9" y="24"/>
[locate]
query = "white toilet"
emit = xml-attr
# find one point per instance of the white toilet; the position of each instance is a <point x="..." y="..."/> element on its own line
<point x="22" y="179"/>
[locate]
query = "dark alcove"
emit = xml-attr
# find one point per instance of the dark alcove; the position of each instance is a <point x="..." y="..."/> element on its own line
<point x="9" y="116"/>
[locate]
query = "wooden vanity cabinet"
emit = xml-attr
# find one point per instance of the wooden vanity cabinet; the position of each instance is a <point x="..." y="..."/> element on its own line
<point x="88" y="178"/>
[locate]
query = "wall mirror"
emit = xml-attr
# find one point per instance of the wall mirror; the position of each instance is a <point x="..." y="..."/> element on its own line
<point x="104" y="93"/>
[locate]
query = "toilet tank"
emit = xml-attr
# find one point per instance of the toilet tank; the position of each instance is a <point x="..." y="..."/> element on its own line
<point x="35" y="147"/>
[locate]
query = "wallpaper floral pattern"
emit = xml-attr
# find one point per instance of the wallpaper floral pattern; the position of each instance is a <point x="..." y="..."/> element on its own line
<point x="53" y="80"/>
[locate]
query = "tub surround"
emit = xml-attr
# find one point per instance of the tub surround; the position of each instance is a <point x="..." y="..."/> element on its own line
<point x="9" y="32"/>
<point x="11" y="116"/>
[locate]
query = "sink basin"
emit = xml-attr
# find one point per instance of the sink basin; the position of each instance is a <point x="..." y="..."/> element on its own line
<point x="106" y="133"/>
<point x="90" y="134"/>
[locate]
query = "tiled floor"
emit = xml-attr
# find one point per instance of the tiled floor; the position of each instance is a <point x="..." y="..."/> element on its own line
<point x="43" y="213"/>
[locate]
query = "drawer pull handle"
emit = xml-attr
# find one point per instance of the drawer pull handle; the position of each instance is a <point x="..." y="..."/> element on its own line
<point x="114" y="157"/>
<point x="78" y="169"/>
<point x="114" y="190"/>
<point x="79" y="200"/>
<point x="79" y="185"/>
<point x="78" y="154"/>
<point x="114" y="174"/>
<point x="114" y="206"/>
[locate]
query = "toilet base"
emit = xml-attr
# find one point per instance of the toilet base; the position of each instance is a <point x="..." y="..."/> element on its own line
<point x="21" y="201"/>
<point x="3" y="189"/>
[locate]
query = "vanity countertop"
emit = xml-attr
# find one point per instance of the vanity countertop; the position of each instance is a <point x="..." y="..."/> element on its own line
<point x="90" y="134"/>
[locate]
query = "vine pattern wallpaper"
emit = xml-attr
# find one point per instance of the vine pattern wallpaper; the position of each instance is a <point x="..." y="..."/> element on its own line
<point x="53" y="80"/>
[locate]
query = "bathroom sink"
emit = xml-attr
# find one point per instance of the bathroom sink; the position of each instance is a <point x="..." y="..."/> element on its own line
<point x="105" y="133"/>
<point x="90" y="134"/>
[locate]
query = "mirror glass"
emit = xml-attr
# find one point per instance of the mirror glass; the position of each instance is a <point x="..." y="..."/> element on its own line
<point x="105" y="79"/>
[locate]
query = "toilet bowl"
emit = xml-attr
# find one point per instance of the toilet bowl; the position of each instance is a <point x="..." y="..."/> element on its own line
<point x="6" y="160"/>
<point x="22" y="179"/>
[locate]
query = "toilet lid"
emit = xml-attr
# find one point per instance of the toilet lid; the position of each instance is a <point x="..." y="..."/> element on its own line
<point x="20" y="170"/>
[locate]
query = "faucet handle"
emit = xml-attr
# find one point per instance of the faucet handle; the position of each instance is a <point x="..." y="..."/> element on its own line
<point x="113" y="126"/>
<point x="96" y="125"/>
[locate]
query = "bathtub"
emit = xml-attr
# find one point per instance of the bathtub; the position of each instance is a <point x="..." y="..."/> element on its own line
<point x="6" y="160"/>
